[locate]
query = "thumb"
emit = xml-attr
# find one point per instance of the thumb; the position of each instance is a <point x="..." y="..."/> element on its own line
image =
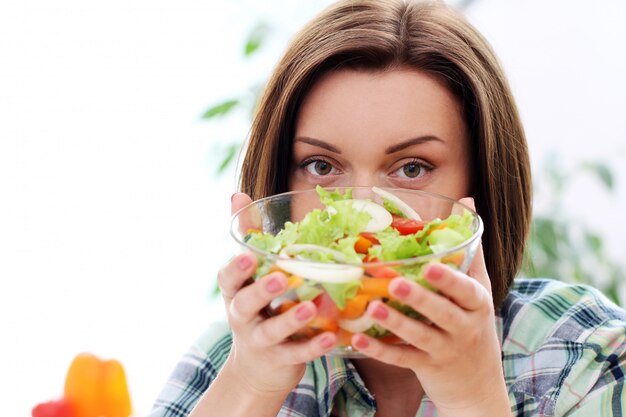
<point x="250" y="218"/>
<point x="478" y="268"/>
<point x="239" y="201"/>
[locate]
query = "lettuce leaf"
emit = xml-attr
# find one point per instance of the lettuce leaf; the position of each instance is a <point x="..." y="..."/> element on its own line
<point x="392" y="208"/>
<point x="328" y="197"/>
<point x="346" y="247"/>
<point x="457" y="230"/>
<point x="308" y="290"/>
<point x="341" y="292"/>
<point x="395" y="246"/>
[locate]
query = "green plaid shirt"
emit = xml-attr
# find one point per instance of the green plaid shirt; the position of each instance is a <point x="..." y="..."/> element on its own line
<point x="563" y="351"/>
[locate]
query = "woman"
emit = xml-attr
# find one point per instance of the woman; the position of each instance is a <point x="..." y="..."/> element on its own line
<point x="404" y="94"/>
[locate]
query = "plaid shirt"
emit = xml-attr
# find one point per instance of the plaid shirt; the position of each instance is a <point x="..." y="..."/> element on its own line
<point x="563" y="351"/>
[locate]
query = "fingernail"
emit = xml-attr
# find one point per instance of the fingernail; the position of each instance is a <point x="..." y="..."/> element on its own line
<point x="244" y="262"/>
<point x="433" y="272"/>
<point x="273" y="285"/>
<point x="327" y="341"/>
<point x="402" y="289"/>
<point x="304" y="312"/>
<point x="380" y="312"/>
<point x="361" y="343"/>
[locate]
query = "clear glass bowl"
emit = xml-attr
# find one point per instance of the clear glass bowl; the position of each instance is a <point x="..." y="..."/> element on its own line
<point x="269" y="215"/>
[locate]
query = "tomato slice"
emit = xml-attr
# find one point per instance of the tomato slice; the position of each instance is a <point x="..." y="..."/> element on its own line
<point x="405" y="225"/>
<point x="327" y="313"/>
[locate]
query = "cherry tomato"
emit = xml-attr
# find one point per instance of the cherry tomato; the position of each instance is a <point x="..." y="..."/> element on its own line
<point x="58" y="408"/>
<point x="405" y="225"/>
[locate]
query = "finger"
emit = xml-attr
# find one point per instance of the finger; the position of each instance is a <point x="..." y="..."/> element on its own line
<point x="232" y="276"/>
<point x="439" y="310"/>
<point x="478" y="268"/>
<point x="306" y="351"/>
<point x="239" y="201"/>
<point x="414" y="332"/>
<point x="460" y="288"/>
<point x="249" y="301"/>
<point x="278" y="328"/>
<point x="246" y="217"/>
<point x="398" y="355"/>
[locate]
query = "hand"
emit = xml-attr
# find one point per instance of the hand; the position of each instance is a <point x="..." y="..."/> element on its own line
<point x="261" y="356"/>
<point x="457" y="357"/>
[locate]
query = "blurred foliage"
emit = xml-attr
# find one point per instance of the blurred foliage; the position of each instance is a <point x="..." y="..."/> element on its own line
<point x="563" y="247"/>
<point x="227" y="149"/>
<point x="559" y="246"/>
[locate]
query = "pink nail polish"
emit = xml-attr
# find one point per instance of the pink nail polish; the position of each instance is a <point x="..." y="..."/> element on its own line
<point x="434" y="272"/>
<point x="327" y="341"/>
<point x="273" y="285"/>
<point x="303" y="312"/>
<point x="402" y="290"/>
<point x="361" y="343"/>
<point x="380" y="312"/>
<point x="244" y="263"/>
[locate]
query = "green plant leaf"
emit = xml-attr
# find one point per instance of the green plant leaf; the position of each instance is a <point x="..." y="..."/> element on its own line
<point x="594" y="242"/>
<point x="546" y="233"/>
<point x="255" y="39"/>
<point x="251" y="46"/>
<point x="228" y="157"/>
<point x="221" y="109"/>
<point x="604" y="173"/>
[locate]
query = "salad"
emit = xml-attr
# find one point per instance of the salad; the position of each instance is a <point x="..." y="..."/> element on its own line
<point x="344" y="255"/>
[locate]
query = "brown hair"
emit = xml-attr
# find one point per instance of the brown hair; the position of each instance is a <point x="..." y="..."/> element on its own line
<point x="430" y="37"/>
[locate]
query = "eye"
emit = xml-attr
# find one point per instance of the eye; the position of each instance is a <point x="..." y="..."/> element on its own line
<point x="413" y="169"/>
<point x="318" y="167"/>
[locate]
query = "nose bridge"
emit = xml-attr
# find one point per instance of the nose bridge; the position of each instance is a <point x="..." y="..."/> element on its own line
<point x="365" y="177"/>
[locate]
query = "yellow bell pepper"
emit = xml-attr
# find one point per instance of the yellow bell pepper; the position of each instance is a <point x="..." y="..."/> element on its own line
<point x="97" y="388"/>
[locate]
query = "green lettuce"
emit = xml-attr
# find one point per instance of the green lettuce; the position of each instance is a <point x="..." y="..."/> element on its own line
<point x="395" y="246"/>
<point x="458" y="229"/>
<point x="341" y="292"/>
<point x="308" y="290"/>
<point x="392" y="208"/>
<point x="328" y="197"/>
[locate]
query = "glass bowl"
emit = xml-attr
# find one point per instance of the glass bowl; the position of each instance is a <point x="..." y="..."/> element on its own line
<point x="342" y="258"/>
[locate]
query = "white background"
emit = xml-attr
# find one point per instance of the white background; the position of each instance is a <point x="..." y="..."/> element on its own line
<point x="112" y="223"/>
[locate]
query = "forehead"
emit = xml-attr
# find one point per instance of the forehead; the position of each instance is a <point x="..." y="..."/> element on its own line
<point x="380" y="105"/>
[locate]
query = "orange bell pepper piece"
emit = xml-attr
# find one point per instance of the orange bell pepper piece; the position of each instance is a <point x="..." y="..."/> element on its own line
<point x="375" y="287"/>
<point x="355" y="306"/>
<point x="97" y="388"/>
<point x="362" y="245"/>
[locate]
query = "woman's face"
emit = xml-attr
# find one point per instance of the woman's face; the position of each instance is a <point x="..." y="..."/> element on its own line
<point x="399" y="128"/>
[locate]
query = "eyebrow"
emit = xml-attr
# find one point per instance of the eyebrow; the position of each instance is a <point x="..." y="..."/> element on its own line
<point x="410" y="142"/>
<point x="318" y="143"/>
<point x="391" y="149"/>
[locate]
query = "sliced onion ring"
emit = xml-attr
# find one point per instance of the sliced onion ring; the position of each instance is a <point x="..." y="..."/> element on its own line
<point x="381" y="218"/>
<point x="308" y="247"/>
<point x="356" y="325"/>
<point x="401" y="205"/>
<point x="317" y="271"/>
